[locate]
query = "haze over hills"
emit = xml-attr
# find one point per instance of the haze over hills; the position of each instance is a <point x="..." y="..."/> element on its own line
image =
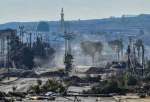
<point x="112" y="23"/>
<point x="120" y="27"/>
<point x="66" y="50"/>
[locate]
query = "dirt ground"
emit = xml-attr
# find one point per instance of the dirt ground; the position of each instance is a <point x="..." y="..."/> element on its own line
<point x="131" y="98"/>
<point x="81" y="99"/>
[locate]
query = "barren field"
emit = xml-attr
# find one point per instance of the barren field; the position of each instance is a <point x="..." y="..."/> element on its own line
<point x="81" y="99"/>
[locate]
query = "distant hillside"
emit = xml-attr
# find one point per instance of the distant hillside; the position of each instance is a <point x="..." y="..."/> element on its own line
<point x="113" y="27"/>
<point x="112" y="24"/>
<point x="97" y="29"/>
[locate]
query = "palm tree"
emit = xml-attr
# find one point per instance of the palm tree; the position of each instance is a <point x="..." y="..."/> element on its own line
<point x="117" y="46"/>
<point x="139" y="44"/>
<point x="143" y="52"/>
<point x="140" y="48"/>
<point x="91" y="48"/>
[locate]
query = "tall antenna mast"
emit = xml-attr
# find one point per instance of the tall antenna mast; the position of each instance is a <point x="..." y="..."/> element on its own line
<point x="68" y="56"/>
<point x="63" y="27"/>
<point x="62" y="20"/>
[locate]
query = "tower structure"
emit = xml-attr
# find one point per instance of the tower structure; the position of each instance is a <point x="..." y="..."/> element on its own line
<point x="67" y="36"/>
<point x="62" y="20"/>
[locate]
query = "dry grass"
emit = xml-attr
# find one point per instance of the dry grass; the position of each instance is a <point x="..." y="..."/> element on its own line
<point x="137" y="100"/>
<point x="131" y="98"/>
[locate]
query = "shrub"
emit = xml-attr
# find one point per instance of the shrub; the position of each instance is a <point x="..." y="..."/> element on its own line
<point x="132" y="81"/>
<point x="53" y="85"/>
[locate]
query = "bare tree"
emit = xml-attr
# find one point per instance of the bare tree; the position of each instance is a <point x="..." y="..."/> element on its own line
<point x="91" y="48"/>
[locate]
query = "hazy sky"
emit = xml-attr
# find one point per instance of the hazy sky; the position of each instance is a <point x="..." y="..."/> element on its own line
<point x="34" y="10"/>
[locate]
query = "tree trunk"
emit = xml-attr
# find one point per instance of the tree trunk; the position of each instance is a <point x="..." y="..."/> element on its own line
<point x="93" y="60"/>
<point x="118" y="52"/>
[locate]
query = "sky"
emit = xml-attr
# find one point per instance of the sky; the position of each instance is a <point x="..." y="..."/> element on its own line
<point x="35" y="10"/>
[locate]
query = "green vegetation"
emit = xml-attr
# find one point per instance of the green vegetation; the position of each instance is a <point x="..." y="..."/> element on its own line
<point x="42" y="49"/>
<point x="132" y="81"/>
<point x="117" y="84"/>
<point x="22" y="55"/>
<point x="54" y="86"/>
<point x="68" y="62"/>
<point x="50" y="85"/>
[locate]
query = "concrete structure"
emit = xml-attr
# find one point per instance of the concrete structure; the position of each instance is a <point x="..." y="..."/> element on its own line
<point x="5" y="36"/>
